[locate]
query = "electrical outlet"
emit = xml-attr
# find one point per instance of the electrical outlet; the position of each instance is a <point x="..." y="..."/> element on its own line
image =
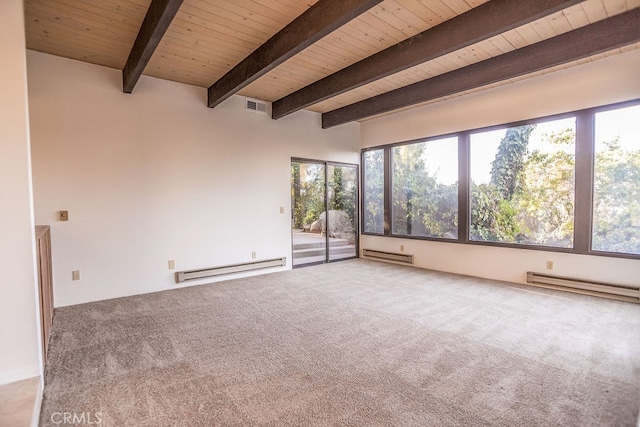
<point x="401" y="248"/>
<point x="64" y="215"/>
<point x="549" y="265"/>
<point x="172" y="264"/>
<point x="281" y="209"/>
<point x="253" y="255"/>
<point x="75" y="275"/>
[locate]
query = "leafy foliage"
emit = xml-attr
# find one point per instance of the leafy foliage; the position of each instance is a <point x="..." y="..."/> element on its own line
<point x="616" y="210"/>
<point x="510" y="160"/>
<point x="421" y="205"/>
<point x="342" y="191"/>
<point x="373" y="197"/>
<point x="528" y="200"/>
<point x="545" y="196"/>
<point x="492" y="218"/>
<point x="523" y="202"/>
<point x="309" y="192"/>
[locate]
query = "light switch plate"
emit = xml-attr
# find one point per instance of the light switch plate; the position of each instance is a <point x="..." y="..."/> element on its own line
<point x="64" y="215"/>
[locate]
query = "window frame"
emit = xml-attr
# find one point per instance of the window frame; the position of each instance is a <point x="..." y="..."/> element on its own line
<point x="594" y="111"/>
<point x="583" y="196"/>
<point x="505" y="127"/>
<point x="362" y="192"/>
<point x="390" y="157"/>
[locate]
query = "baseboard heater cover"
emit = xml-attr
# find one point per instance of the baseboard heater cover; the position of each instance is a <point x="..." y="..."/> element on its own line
<point x="588" y="287"/>
<point x="182" y="276"/>
<point x="387" y="256"/>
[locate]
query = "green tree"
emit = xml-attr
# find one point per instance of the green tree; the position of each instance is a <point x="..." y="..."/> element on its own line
<point x="342" y="191"/>
<point x="308" y="193"/>
<point x="339" y="199"/>
<point x="510" y="159"/>
<point x="296" y="187"/>
<point x="545" y="194"/>
<point x="530" y="198"/>
<point x="492" y="217"/>
<point x="441" y="214"/>
<point x="616" y="207"/>
<point x="373" y="215"/>
<point x="422" y="206"/>
<point x="410" y="183"/>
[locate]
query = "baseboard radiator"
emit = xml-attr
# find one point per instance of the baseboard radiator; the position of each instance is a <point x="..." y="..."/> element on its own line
<point x="202" y="273"/>
<point x="387" y="256"/>
<point x="587" y="287"/>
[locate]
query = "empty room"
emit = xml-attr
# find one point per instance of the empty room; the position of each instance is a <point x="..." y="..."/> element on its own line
<point x="320" y="212"/>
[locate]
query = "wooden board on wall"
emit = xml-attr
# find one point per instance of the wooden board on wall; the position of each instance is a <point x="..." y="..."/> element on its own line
<point x="45" y="283"/>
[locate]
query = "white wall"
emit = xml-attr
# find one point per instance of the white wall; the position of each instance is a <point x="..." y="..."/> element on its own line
<point x="609" y="80"/>
<point x="19" y="341"/>
<point x="606" y="81"/>
<point x="156" y="175"/>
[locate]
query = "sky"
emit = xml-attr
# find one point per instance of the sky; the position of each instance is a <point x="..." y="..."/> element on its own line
<point x="624" y="122"/>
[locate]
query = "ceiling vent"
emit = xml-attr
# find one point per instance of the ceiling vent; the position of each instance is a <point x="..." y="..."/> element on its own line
<point x="256" y="106"/>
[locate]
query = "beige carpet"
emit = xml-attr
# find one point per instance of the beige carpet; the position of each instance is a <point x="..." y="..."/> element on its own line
<point x="355" y="343"/>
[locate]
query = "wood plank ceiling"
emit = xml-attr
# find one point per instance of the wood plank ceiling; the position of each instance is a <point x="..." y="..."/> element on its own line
<point x="207" y="38"/>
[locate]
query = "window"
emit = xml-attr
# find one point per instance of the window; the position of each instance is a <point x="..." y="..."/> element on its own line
<point x="523" y="184"/>
<point x="616" y="198"/>
<point x="373" y="197"/>
<point x="425" y="189"/>
<point x="568" y="183"/>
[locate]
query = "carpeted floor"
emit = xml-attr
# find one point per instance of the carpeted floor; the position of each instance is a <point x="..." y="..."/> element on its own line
<point x="351" y="343"/>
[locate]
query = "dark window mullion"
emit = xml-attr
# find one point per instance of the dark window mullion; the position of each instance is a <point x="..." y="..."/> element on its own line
<point x="585" y="143"/>
<point x="464" y="187"/>
<point x="326" y="211"/>
<point x="387" y="191"/>
<point x="362" y="185"/>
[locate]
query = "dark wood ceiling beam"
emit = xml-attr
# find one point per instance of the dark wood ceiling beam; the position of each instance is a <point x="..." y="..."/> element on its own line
<point x="479" y="23"/>
<point x="155" y="24"/>
<point x="319" y="20"/>
<point x="602" y="36"/>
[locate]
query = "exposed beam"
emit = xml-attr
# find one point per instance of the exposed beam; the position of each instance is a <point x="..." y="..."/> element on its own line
<point x="155" y="24"/>
<point x="592" y="39"/>
<point x="479" y="23"/>
<point x="319" y="20"/>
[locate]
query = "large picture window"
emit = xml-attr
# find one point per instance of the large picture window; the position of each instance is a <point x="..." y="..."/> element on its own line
<point x="567" y="183"/>
<point x="616" y="196"/>
<point x="523" y="184"/>
<point x="425" y="189"/>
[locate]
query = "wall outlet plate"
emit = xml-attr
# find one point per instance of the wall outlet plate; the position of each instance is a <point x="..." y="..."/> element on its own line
<point x="63" y="215"/>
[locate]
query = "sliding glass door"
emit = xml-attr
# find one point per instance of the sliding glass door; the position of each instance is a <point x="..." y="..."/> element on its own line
<point x="324" y="200"/>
